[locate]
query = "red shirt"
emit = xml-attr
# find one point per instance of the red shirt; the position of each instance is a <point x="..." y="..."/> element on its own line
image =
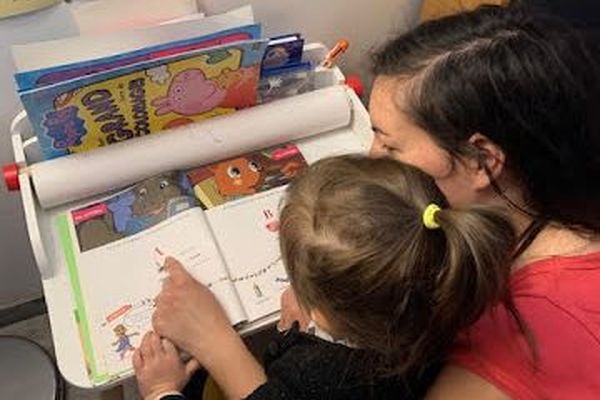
<point x="559" y="299"/>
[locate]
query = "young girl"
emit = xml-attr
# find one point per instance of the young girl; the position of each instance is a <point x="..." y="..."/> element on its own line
<point x="380" y="262"/>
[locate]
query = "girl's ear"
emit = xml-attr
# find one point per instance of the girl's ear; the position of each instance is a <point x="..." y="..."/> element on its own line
<point x="491" y="160"/>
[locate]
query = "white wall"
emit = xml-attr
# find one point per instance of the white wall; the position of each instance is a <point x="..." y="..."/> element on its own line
<point x="364" y="23"/>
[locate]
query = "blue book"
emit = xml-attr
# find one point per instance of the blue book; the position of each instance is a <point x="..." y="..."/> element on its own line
<point x="283" y="51"/>
<point x="48" y="76"/>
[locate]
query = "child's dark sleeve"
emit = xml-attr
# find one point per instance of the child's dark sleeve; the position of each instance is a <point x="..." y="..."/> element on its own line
<point x="287" y="363"/>
<point x="303" y="367"/>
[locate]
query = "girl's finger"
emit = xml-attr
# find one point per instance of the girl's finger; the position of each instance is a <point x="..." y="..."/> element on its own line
<point x="146" y="348"/>
<point x="138" y="361"/>
<point x="156" y="344"/>
<point x="191" y="367"/>
<point x="166" y="282"/>
<point x="169" y="346"/>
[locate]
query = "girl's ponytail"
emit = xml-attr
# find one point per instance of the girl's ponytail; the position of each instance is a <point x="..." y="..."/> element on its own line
<point x="476" y="267"/>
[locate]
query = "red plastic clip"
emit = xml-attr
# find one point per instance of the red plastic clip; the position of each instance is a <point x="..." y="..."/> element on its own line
<point x="11" y="177"/>
<point x="356" y="84"/>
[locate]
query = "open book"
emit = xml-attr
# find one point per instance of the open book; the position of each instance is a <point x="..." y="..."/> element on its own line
<point x="219" y="220"/>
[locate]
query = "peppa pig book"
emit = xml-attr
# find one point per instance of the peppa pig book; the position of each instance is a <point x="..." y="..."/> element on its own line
<point x="122" y="103"/>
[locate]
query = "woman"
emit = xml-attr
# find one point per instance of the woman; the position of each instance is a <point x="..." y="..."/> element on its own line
<point x="499" y="108"/>
<point x="502" y="109"/>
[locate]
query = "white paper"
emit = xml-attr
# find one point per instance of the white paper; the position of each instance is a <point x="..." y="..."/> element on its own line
<point x="251" y="250"/>
<point x="81" y="175"/>
<point x="39" y="55"/>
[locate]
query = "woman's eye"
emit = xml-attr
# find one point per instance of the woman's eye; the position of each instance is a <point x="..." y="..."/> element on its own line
<point x="234" y="172"/>
<point x="164" y="184"/>
<point x="389" y="148"/>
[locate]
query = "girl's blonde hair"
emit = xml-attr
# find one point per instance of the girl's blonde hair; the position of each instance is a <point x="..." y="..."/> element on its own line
<point x="355" y="247"/>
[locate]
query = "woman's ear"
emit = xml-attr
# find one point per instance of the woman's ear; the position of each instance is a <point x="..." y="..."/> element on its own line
<point x="491" y="160"/>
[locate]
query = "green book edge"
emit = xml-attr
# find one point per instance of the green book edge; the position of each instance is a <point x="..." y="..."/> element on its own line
<point x="80" y="312"/>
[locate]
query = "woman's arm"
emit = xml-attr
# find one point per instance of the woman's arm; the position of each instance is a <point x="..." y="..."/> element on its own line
<point x="459" y="383"/>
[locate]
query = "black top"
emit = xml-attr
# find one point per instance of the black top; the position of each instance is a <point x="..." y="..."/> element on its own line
<point x="300" y="366"/>
<point x="303" y="367"/>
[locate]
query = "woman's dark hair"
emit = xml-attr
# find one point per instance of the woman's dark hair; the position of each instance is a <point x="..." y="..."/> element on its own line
<point x="355" y="247"/>
<point x="529" y="83"/>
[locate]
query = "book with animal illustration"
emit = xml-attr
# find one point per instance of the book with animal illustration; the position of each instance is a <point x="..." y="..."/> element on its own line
<point x="220" y="220"/>
<point x="144" y="98"/>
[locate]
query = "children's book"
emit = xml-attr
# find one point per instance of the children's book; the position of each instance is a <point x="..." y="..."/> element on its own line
<point x="221" y="222"/>
<point x="283" y="51"/>
<point x="140" y="99"/>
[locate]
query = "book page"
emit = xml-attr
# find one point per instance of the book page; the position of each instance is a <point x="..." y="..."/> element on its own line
<point x="247" y="233"/>
<point x="242" y="198"/>
<point x="115" y="252"/>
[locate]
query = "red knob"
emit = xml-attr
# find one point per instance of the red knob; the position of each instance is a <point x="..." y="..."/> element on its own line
<point x="356" y="84"/>
<point x="11" y="177"/>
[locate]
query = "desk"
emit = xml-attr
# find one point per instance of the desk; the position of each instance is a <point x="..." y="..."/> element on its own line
<point x="53" y="269"/>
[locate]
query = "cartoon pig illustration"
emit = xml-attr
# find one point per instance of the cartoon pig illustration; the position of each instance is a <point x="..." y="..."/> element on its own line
<point x="190" y="93"/>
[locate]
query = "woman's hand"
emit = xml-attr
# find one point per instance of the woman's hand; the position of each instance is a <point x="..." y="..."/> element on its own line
<point x="188" y="314"/>
<point x="291" y="311"/>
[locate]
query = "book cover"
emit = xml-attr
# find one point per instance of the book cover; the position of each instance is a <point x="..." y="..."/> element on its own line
<point x="47" y="76"/>
<point x="282" y="51"/>
<point x="141" y="99"/>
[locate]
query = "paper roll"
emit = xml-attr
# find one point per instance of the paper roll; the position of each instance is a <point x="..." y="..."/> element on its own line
<point x="81" y="175"/>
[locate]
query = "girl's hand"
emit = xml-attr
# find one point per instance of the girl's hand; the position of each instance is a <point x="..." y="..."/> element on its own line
<point x="291" y="311"/>
<point x="158" y="368"/>
<point x="188" y="313"/>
